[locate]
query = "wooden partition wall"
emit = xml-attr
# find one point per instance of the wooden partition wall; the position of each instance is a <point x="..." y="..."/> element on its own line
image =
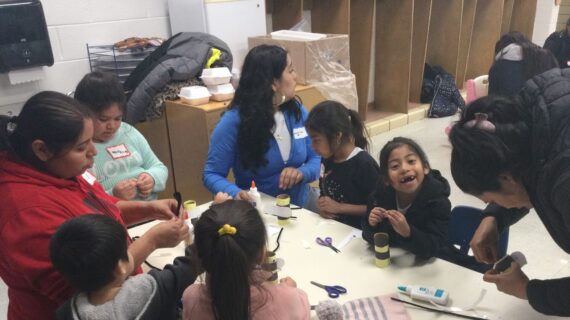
<point x="420" y="31"/>
<point x="459" y="35"/>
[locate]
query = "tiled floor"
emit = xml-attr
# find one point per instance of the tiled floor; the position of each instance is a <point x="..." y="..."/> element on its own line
<point x="545" y="259"/>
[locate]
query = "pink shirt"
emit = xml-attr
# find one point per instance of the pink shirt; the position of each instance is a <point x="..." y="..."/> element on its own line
<point x="291" y="304"/>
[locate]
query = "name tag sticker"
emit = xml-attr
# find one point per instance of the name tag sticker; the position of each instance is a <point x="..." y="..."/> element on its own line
<point x="300" y="133"/>
<point x="118" y="151"/>
<point x="89" y="177"/>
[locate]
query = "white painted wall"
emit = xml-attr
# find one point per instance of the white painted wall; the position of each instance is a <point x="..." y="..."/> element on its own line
<point x="545" y="21"/>
<point x="72" y="24"/>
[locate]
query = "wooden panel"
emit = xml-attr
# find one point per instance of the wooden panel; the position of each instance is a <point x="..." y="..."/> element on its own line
<point x="330" y="16"/>
<point x="156" y="133"/>
<point x="465" y="39"/>
<point x="507" y="14"/>
<point x="522" y="20"/>
<point x="361" y="22"/>
<point x="286" y="13"/>
<point x="422" y="14"/>
<point x="444" y="31"/>
<point x="393" y="54"/>
<point x="189" y="143"/>
<point x="486" y="31"/>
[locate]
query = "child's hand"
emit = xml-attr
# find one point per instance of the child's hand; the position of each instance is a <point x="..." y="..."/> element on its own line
<point x="513" y="281"/>
<point x="145" y="184"/>
<point x="375" y="217"/>
<point x="329" y="205"/>
<point x="169" y="233"/>
<point x="221" y="197"/>
<point x="126" y="189"/>
<point x="398" y="222"/>
<point x="288" y="281"/>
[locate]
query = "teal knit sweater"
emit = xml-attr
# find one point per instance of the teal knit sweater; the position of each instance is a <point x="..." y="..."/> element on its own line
<point x="126" y="156"/>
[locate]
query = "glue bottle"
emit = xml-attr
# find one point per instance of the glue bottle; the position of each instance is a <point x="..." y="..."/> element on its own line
<point x="255" y="197"/>
<point x="438" y="296"/>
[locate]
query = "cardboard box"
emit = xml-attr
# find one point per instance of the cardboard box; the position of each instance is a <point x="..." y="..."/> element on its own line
<point x="312" y="59"/>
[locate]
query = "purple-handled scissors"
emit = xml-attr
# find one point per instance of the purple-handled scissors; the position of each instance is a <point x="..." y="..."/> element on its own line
<point x="333" y="291"/>
<point x="327" y="242"/>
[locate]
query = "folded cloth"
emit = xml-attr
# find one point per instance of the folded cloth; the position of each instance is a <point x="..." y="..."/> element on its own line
<point x="380" y="307"/>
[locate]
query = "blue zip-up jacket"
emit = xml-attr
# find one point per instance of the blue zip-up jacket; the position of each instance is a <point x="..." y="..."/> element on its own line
<point x="223" y="155"/>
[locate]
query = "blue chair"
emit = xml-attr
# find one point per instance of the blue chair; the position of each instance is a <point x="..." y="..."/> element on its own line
<point x="463" y="222"/>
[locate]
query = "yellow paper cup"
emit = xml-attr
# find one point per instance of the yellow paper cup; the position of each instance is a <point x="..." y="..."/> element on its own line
<point x="189" y="205"/>
<point x="270" y="265"/>
<point x="283" y="200"/>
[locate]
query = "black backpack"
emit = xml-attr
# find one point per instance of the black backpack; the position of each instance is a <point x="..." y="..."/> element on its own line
<point x="439" y="89"/>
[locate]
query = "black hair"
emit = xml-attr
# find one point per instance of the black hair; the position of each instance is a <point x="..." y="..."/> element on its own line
<point x="254" y="100"/>
<point x="52" y="117"/>
<point x="87" y="249"/>
<point x="230" y="259"/>
<point x="331" y="118"/>
<point x="535" y="60"/>
<point x="99" y="90"/>
<point x="394" y="144"/>
<point x="480" y="156"/>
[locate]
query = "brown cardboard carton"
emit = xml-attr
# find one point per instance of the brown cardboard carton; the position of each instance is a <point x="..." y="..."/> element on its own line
<point x="312" y="59"/>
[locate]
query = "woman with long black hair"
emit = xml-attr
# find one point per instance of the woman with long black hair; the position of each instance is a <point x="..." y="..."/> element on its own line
<point x="262" y="136"/>
<point x="514" y="153"/>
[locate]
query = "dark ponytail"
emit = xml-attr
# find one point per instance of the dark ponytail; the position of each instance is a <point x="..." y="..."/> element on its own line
<point x="52" y="117"/>
<point x="480" y="155"/>
<point x="230" y="259"/>
<point x="331" y="118"/>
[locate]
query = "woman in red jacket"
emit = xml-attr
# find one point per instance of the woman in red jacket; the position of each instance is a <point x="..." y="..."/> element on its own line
<point x="43" y="182"/>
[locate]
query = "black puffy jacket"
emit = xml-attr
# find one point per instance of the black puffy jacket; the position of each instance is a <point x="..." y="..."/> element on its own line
<point x="547" y="100"/>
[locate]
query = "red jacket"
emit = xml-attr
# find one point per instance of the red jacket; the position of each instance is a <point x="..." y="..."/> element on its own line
<point x="32" y="205"/>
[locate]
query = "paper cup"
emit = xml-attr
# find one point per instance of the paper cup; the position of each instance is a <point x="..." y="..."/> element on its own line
<point x="382" y="250"/>
<point x="189" y="205"/>
<point x="282" y="221"/>
<point x="283" y="200"/>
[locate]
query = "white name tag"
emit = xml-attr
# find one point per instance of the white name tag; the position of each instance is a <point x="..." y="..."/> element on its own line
<point x="119" y="151"/>
<point x="300" y="133"/>
<point x="90" y="178"/>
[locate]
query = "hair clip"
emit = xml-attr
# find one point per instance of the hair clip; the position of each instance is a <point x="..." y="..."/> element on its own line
<point x="227" y="229"/>
<point x="481" y="122"/>
<point x="11" y="127"/>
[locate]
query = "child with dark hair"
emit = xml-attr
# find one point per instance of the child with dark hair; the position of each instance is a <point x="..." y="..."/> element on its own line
<point x="348" y="173"/>
<point x="230" y="238"/>
<point x="91" y="253"/>
<point x="410" y="202"/>
<point x="515" y="155"/>
<point x="517" y="59"/>
<point x="125" y="164"/>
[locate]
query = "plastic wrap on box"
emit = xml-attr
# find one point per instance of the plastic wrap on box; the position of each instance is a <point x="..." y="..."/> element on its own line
<point x="323" y="63"/>
<point x="332" y="78"/>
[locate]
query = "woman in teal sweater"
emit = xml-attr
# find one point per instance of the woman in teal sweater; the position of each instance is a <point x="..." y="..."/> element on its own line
<point x="125" y="164"/>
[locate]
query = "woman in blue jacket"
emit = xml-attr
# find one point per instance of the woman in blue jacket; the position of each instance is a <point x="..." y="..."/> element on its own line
<point x="262" y="136"/>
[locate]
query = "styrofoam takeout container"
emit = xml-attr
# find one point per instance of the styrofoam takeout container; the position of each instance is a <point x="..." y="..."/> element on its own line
<point x="194" y="95"/>
<point x="215" y="76"/>
<point x="222" y="92"/>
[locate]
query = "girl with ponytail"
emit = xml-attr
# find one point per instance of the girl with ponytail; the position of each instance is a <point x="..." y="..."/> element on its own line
<point x="230" y="238"/>
<point x="348" y="172"/>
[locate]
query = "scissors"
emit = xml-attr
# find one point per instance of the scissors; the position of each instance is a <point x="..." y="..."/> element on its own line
<point x="327" y="242"/>
<point x="333" y="291"/>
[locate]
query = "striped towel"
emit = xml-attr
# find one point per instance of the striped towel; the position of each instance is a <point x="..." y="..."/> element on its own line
<point x="372" y="308"/>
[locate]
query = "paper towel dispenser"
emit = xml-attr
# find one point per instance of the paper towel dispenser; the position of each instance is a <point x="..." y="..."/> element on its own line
<point x="24" y="39"/>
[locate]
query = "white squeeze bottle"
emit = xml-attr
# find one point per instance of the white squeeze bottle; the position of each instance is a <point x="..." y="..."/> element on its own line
<point x="438" y="296"/>
<point x="255" y="197"/>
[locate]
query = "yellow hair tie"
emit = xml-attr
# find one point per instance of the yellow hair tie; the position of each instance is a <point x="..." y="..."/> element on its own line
<point x="226" y="229"/>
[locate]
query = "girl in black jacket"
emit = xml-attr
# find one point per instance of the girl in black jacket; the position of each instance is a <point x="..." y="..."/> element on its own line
<point x="515" y="154"/>
<point x="410" y="202"/>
